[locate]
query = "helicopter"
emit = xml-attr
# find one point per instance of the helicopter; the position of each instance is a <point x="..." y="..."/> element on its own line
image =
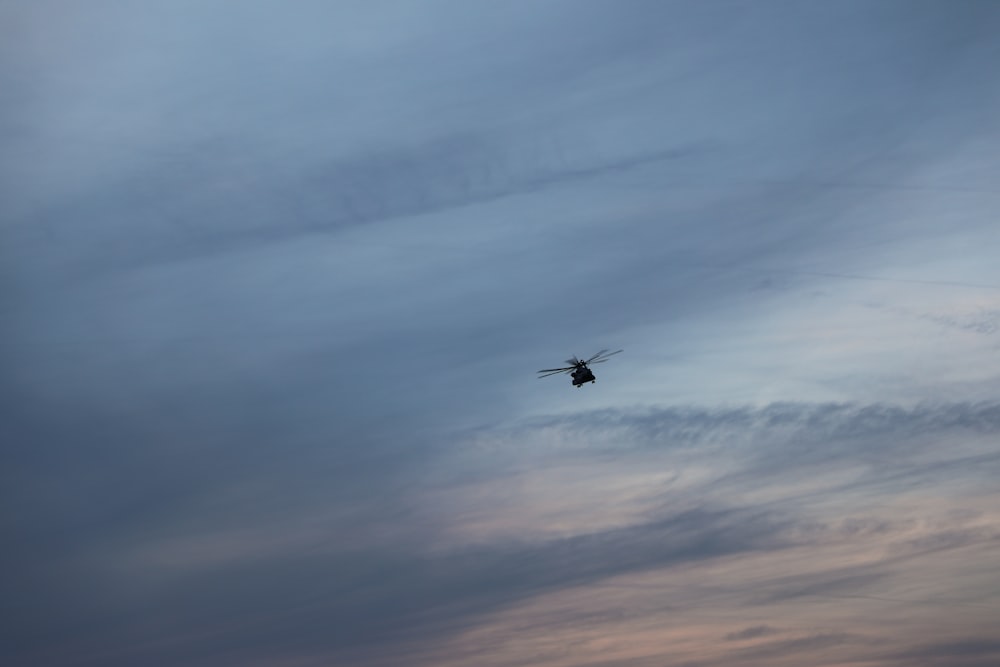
<point x="580" y="369"/>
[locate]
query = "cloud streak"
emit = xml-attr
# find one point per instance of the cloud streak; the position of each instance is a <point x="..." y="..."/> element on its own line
<point x="275" y="282"/>
<point x="685" y="552"/>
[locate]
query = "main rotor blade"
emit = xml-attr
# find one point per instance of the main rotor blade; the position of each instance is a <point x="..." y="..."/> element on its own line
<point x="556" y="370"/>
<point x="573" y="361"/>
<point x="565" y="370"/>
<point x="605" y="356"/>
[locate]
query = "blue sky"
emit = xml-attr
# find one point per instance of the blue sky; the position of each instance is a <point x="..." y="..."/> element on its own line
<point x="277" y="279"/>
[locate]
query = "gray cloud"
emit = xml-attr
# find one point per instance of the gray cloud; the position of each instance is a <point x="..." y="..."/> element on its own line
<point x="973" y="651"/>
<point x="359" y="597"/>
<point x="802" y="645"/>
<point x="275" y="282"/>
<point x="794" y="426"/>
<point x="751" y="633"/>
<point x="275" y="606"/>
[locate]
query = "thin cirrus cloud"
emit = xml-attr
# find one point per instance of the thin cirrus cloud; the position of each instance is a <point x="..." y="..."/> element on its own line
<point x="276" y="281"/>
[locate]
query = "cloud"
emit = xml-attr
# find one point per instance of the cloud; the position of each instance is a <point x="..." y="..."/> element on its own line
<point x="752" y="632"/>
<point x="971" y="651"/>
<point x="276" y="283"/>
<point x="851" y="543"/>
<point x="818" y="642"/>
<point x="322" y="581"/>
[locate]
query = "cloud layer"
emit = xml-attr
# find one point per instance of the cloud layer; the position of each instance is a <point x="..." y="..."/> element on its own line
<point x="276" y="280"/>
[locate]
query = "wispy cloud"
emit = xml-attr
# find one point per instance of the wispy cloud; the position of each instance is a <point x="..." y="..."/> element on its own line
<point x="276" y="280"/>
<point x="751" y="633"/>
<point x="672" y="551"/>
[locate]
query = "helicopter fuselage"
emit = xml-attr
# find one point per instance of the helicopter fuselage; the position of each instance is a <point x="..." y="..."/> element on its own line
<point x="582" y="375"/>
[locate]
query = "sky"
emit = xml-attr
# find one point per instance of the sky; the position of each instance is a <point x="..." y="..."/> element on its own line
<point x="276" y="279"/>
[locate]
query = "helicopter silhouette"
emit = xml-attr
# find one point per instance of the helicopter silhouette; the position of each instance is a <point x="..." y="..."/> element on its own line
<point x="580" y="369"/>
